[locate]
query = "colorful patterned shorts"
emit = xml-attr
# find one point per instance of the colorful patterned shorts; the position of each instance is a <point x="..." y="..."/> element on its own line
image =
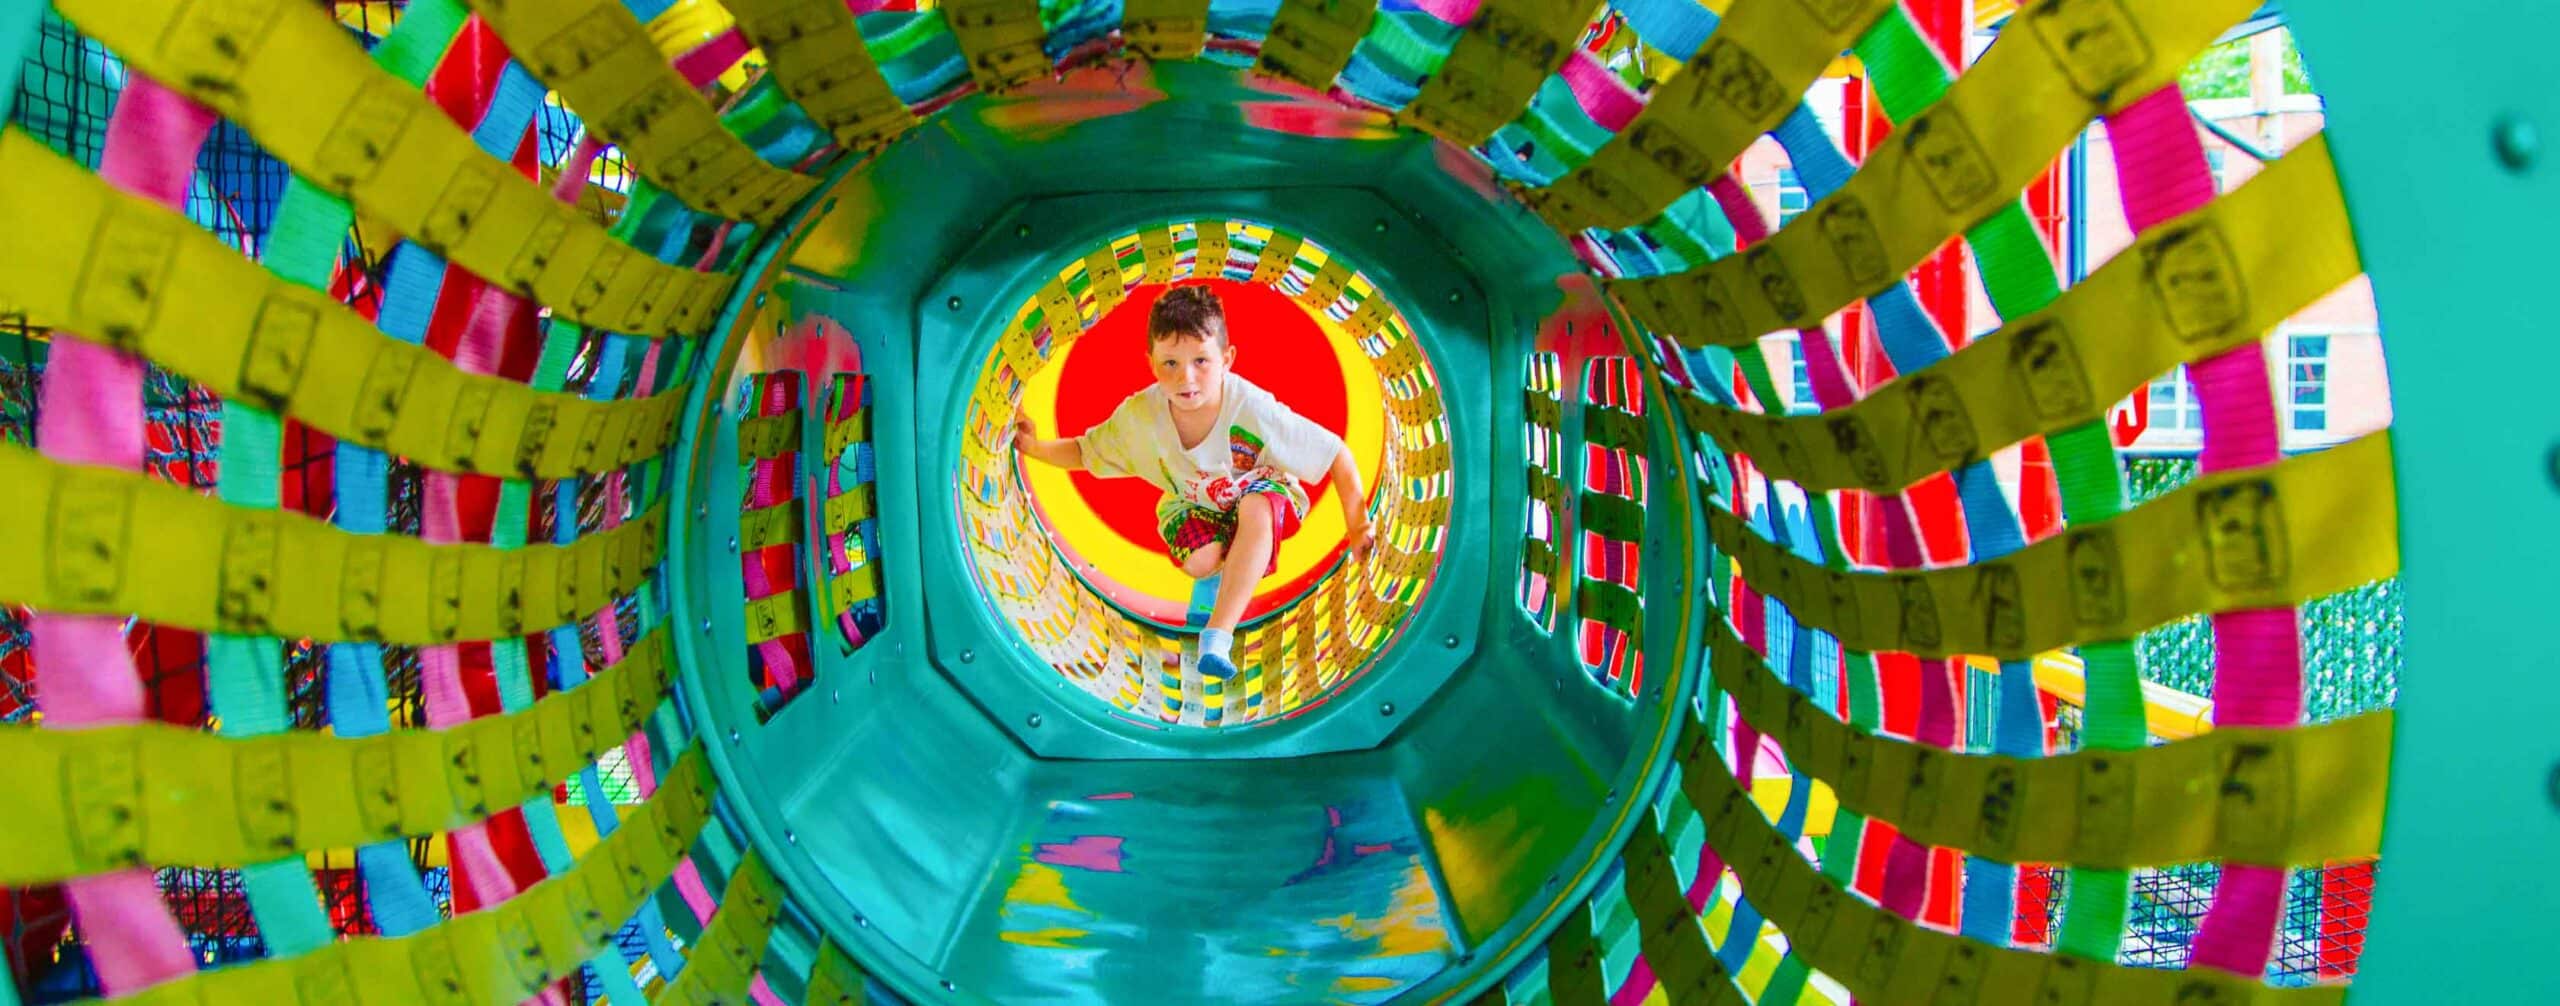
<point x="1188" y="527"/>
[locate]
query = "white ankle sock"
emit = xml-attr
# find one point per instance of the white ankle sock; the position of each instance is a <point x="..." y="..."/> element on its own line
<point x="1217" y="641"/>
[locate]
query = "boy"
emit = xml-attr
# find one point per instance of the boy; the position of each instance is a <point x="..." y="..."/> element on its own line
<point x="1230" y="458"/>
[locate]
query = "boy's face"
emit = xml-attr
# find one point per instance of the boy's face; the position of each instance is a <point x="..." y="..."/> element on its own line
<point x="1191" y="369"/>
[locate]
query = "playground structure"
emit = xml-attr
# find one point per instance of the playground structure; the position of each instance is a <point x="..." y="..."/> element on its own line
<point x="511" y="501"/>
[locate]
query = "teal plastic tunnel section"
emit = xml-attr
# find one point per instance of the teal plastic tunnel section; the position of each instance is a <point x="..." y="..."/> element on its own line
<point x="935" y="797"/>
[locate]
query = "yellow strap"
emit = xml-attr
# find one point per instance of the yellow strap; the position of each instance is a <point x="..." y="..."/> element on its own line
<point x="2276" y="797"/>
<point x="725" y="960"/>
<point x="85" y="802"/>
<point x="133" y="274"/>
<point x="1311" y="40"/>
<point x="1881" y="957"/>
<point x="774" y="616"/>
<point x="1573" y="962"/>
<point x="1001" y="40"/>
<point x="1738" y="87"/>
<point x="847" y="509"/>
<point x="1166" y="29"/>
<point x="818" y="59"/>
<point x="294" y="79"/>
<point x="1064" y="317"/>
<point x="1210" y="262"/>
<point x="1156" y="247"/>
<point x="769" y="526"/>
<point x="1102" y="273"/>
<point x="1277" y="257"/>
<point x="89" y="540"/>
<point x="1506" y="53"/>
<point x="2272" y="536"/>
<point x="1673" y="944"/>
<point x="836" y="980"/>
<point x="1327" y="286"/>
<point x="600" y="59"/>
<point x="769" y="436"/>
<point x="2194" y="287"/>
<point x="502" y="953"/>
<point x="844" y="433"/>
<point x="1371" y="315"/>
<point x="1954" y="163"/>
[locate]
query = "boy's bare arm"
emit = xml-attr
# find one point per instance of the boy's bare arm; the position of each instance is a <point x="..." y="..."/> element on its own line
<point x="1355" y="501"/>
<point x="1065" y="453"/>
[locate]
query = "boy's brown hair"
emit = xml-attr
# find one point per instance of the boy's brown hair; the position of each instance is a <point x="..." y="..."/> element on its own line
<point x="1187" y="312"/>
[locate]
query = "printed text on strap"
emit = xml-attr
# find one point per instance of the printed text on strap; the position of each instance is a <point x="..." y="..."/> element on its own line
<point x="2279" y="797"/>
<point x="2057" y="66"/>
<point x="292" y="76"/>
<point x="821" y="63"/>
<point x="86" y="802"/>
<point x="129" y="273"/>
<point x="2272" y="536"/>
<point x="2190" y="288"/>
<point x="1884" y="958"/>
<point x="1739" y="85"/>
<point x="600" y="59"/>
<point x="95" y="541"/>
<point x="1508" y="50"/>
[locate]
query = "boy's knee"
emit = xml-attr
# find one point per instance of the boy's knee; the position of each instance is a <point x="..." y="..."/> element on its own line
<point x="1204" y="563"/>
<point x="1255" y="511"/>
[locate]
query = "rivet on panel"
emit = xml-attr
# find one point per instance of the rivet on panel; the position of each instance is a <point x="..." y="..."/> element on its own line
<point x="1386" y="709"/>
<point x="702" y="512"/>
<point x="948" y="987"/>
<point x="2553" y="786"/>
<point x="791" y="837"/>
<point x="2551" y="464"/>
<point x="862" y="920"/>
<point x="835" y="695"/>
<point x="733" y="544"/>
<point x="1022" y="230"/>
<point x="2517" y="142"/>
<point x="706" y="625"/>
<point x="1033" y="719"/>
<point x="734" y="737"/>
<point x="1455" y="296"/>
<point x="952" y="303"/>
<point x="968" y="656"/>
<point x="1380" y="226"/>
<point x="1450" y="640"/>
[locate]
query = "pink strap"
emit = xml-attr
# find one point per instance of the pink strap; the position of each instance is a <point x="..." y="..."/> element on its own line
<point x="92" y="414"/>
<point x="2257" y="654"/>
<point x="711" y="59"/>
<point x="1604" y="97"/>
<point x="771" y="487"/>
<point x="574" y="171"/>
<point x="1457" y="12"/>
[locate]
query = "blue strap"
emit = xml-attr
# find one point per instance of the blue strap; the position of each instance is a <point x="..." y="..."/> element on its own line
<point x="1677" y="27"/>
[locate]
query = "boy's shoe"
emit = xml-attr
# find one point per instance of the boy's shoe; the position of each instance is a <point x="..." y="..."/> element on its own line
<point x="1216" y="666"/>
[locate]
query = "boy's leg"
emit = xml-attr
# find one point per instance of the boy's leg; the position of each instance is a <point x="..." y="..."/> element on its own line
<point x="1247" y="559"/>
<point x="1205" y="561"/>
<point x="1194" y="536"/>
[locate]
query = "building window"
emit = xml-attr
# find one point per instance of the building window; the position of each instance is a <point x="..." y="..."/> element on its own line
<point x="2174" y="408"/>
<point x="2306" y="383"/>
<point x="1792" y="198"/>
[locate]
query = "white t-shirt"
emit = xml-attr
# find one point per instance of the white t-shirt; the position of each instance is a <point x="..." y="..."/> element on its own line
<point x="1254" y="434"/>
